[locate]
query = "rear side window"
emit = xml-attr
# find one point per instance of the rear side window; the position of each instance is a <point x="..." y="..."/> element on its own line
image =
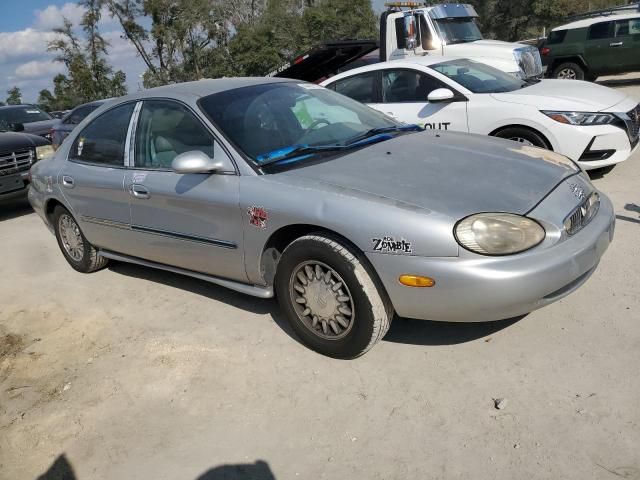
<point x="359" y="87"/>
<point x="80" y="114"/>
<point x="557" y="36"/>
<point x="599" y="30"/>
<point x="102" y="141"/>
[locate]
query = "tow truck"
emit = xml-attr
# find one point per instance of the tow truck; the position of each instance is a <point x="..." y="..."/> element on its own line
<point x="415" y="29"/>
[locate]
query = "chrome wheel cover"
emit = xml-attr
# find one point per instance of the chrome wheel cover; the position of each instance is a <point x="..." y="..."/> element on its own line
<point x="71" y="237"/>
<point x="321" y="300"/>
<point x="567" y="74"/>
<point x="524" y="141"/>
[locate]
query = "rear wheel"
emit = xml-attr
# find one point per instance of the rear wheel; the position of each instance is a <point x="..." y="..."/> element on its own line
<point x="569" y="71"/>
<point x="330" y="297"/>
<point x="81" y="255"/>
<point x="523" y="136"/>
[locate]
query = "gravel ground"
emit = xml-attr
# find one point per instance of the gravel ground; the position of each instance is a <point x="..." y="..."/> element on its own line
<point x="133" y="373"/>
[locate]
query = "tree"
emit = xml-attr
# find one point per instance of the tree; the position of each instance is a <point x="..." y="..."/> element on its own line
<point x="46" y="100"/>
<point x="15" y="96"/>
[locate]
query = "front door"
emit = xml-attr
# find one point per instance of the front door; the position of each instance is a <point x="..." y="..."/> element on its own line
<point x="190" y="221"/>
<point x="404" y="97"/>
<point x="92" y="179"/>
<point x="600" y="48"/>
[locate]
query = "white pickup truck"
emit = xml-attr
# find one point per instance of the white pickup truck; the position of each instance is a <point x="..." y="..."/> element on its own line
<point x="450" y="29"/>
<point x="410" y="29"/>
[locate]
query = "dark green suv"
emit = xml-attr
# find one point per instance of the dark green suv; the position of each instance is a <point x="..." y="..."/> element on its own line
<point x="590" y="47"/>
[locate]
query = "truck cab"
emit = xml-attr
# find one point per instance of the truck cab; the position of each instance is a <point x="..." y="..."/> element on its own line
<point x="411" y="28"/>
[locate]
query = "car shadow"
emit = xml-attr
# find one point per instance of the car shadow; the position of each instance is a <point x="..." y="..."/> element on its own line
<point x="61" y="469"/>
<point x="619" y="82"/>
<point x="10" y="209"/>
<point x="630" y="207"/>
<point x="427" y="332"/>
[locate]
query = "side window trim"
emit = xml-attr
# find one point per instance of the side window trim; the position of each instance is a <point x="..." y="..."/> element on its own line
<point x="131" y="154"/>
<point x="129" y="149"/>
<point x="98" y="164"/>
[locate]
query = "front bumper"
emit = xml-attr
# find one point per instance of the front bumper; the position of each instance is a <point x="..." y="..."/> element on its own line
<point x="474" y="288"/>
<point x="14" y="186"/>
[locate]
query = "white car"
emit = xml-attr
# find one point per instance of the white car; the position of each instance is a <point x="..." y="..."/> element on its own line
<point x="593" y="125"/>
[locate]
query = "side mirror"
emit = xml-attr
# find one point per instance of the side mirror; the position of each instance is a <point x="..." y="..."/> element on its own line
<point x="195" y="161"/>
<point x="410" y="29"/>
<point x="440" y="95"/>
<point x="16" y="127"/>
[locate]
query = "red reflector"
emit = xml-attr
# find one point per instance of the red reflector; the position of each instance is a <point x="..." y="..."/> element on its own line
<point x="300" y="59"/>
<point x="545" y="51"/>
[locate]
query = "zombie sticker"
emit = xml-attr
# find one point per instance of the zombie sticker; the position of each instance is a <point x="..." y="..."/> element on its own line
<point x="258" y="216"/>
<point x="80" y="146"/>
<point x="388" y="244"/>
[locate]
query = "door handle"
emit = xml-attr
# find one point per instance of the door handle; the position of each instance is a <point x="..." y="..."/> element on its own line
<point x="139" y="191"/>
<point x="67" y="181"/>
<point x="616" y="44"/>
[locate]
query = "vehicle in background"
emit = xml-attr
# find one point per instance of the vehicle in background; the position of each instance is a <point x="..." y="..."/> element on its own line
<point x="18" y="152"/>
<point x="603" y="42"/>
<point x="593" y="125"/>
<point x="60" y="131"/>
<point x="438" y="30"/>
<point x="277" y="187"/>
<point x="27" y="118"/>
<point x="58" y="113"/>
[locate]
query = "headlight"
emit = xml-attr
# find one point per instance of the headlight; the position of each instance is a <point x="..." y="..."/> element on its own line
<point x="498" y="233"/>
<point x="581" y="118"/>
<point x="44" y="151"/>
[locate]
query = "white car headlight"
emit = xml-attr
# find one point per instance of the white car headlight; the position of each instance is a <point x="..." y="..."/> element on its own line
<point x="581" y="118"/>
<point x="498" y="233"/>
<point x="44" y="151"/>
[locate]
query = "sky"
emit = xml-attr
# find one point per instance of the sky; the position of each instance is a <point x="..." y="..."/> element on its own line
<point x="26" y="28"/>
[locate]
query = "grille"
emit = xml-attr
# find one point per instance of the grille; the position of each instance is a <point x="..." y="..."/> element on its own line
<point x="531" y="62"/>
<point x="633" y="124"/>
<point x="582" y="214"/>
<point x="14" y="162"/>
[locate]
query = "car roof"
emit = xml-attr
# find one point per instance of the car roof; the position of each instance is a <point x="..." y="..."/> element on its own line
<point x="587" y="22"/>
<point x="201" y="88"/>
<point x="409" y="62"/>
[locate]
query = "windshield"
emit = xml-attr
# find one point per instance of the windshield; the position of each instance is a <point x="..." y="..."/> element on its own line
<point x="25" y="114"/>
<point x="458" y="30"/>
<point x="478" y="77"/>
<point x="285" y="117"/>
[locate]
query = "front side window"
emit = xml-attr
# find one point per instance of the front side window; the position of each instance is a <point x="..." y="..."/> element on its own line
<point x="165" y="130"/>
<point x="103" y="140"/>
<point x="478" y="77"/>
<point x="264" y="118"/>
<point x="359" y="87"/>
<point x="401" y="86"/>
<point x="598" y="31"/>
<point x="458" y="30"/>
<point x="627" y="27"/>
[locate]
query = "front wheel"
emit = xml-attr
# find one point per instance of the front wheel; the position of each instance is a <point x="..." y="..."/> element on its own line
<point x="523" y="136"/>
<point x="330" y="297"/>
<point x="79" y="253"/>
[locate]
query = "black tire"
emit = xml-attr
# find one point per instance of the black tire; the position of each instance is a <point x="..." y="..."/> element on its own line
<point x="523" y="135"/>
<point x="569" y="71"/>
<point x="372" y="311"/>
<point x="90" y="261"/>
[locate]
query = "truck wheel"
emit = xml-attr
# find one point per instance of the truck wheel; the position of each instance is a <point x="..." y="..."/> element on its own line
<point x="330" y="297"/>
<point x="569" y="71"/>
<point x="81" y="255"/>
<point x="524" y="136"/>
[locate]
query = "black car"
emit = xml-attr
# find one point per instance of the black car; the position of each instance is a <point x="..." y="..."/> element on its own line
<point x="27" y="118"/>
<point x="18" y="151"/>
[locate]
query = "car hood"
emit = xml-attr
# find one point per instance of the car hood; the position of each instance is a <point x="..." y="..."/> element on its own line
<point x="450" y="173"/>
<point x="10" y="141"/>
<point x="41" y="127"/>
<point x="564" y="95"/>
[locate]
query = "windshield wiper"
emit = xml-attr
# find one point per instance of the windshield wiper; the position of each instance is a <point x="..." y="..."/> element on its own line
<point x="380" y="130"/>
<point x="294" y="151"/>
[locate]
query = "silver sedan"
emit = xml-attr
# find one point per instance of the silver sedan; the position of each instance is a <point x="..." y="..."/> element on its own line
<point x="280" y="188"/>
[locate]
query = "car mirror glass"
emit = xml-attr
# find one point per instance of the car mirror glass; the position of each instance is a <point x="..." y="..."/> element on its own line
<point x="195" y="161"/>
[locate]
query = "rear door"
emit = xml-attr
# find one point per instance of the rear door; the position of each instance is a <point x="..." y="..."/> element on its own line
<point x="600" y="48"/>
<point x="92" y="179"/>
<point x="404" y="96"/>
<point x="190" y="221"/>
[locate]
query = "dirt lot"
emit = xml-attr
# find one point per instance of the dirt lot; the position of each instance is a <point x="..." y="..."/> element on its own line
<point x="131" y="373"/>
